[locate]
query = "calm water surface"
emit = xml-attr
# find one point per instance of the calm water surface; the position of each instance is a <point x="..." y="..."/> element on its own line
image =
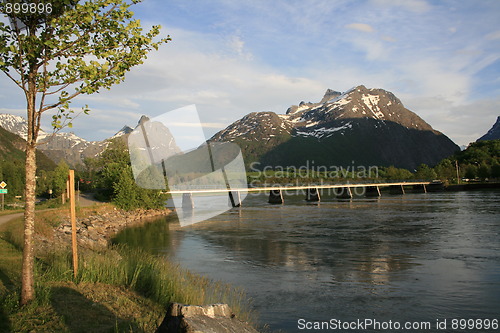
<point x="417" y="257"/>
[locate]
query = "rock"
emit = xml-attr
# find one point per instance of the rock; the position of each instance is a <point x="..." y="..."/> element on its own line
<point x="65" y="228"/>
<point x="215" y="318"/>
<point x="96" y="230"/>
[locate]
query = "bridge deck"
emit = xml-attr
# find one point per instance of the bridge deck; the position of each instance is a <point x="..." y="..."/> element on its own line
<point x="300" y="187"/>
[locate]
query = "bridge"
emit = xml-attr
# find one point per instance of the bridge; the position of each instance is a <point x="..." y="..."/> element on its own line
<point x="312" y="191"/>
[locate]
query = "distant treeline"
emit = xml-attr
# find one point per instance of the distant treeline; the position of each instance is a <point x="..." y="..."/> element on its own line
<point x="479" y="162"/>
<point x="110" y="175"/>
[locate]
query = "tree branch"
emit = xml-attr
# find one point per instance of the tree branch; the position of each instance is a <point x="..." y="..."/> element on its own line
<point x="61" y="53"/>
<point x="17" y="83"/>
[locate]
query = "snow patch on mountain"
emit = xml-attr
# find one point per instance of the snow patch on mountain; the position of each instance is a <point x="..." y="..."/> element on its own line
<point x="14" y="124"/>
<point x="371" y="101"/>
<point x="333" y="114"/>
<point x="323" y="131"/>
<point x="124" y="131"/>
<point x="342" y="96"/>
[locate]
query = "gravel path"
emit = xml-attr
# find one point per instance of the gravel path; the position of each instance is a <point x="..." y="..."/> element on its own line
<point x="85" y="200"/>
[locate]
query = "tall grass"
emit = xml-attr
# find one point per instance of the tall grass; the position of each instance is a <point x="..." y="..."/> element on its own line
<point x="152" y="276"/>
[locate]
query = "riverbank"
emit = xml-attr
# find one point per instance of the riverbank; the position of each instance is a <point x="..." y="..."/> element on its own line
<point x="96" y="231"/>
<point x="116" y="288"/>
<point x="472" y="186"/>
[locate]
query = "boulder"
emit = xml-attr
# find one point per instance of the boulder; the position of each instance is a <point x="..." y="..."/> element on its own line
<point x="215" y="318"/>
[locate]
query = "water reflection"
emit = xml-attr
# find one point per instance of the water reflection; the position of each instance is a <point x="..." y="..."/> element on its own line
<point x="412" y="257"/>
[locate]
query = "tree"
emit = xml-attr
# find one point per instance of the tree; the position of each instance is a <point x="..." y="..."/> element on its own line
<point x="56" y="51"/>
<point x="425" y="172"/>
<point x="446" y="169"/>
<point x="125" y="194"/>
<point x="495" y="171"/>
<point x="59" y="178"/>
<point x="117" y="181"/>
<point x="470" y="171"/>
<point x="393" y="173"/>
<point x="483" y="171"/>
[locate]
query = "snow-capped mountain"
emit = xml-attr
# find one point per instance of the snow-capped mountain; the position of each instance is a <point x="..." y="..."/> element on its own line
<point x="66" y="146"/>
<point x="368" y="126"/>
<point x="14" y="124"/>
<point x="124" y="131"/>
<point x="493" y="133"/>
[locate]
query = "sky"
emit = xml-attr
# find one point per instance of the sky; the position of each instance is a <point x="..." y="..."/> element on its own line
<point x="230" y="58"/>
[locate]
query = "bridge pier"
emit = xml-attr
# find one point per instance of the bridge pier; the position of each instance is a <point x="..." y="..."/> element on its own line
<point x="275" y="197"/>
<point x="187" y="201"/>
<point x="372" y="191"/>
<point x="312" y="194"/>
<point x="346" y="193"/>
<point x="234" y="198"/>
<point x="419" y="188"/>
<point x="397" y="189"/>
<point x="435" y="187"/>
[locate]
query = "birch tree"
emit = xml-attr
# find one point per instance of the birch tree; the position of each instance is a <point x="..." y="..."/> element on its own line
<point x="56" y="50"/>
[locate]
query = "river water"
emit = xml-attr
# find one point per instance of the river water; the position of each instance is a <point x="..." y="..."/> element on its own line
<point x="400" y="258"/>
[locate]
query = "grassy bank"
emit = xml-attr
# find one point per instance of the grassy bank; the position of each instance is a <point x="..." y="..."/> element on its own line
<point x="117" y="289"/>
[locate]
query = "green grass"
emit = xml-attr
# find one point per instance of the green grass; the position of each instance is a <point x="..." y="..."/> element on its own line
<point x="151" y="276"/>
<point x="118" y="289"/>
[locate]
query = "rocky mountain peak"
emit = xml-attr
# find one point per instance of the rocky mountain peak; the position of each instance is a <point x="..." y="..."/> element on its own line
<point x="313" y="119"/>
<point x="124" y="131"/>
<point x="493" y="133"/>
<point x="370" y="125"/>
<point x="143" y="120"/>
<point x="361" y="102"/>
<point x="330" y="94"/>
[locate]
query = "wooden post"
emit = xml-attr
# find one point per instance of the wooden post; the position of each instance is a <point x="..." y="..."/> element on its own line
<point x="71" y="191"/>
<point x="2" y="200"/>
<point x="66" y="193"/>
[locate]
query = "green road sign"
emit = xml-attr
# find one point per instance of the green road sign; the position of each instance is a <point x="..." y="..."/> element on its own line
<point x="3" y="190"/>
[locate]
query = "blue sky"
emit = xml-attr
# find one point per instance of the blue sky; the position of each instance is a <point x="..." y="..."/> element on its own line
<point x="441" y="58"/>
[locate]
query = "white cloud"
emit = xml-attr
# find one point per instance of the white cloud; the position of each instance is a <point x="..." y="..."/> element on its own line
<point x="416" y="6"/>
<point x="360" y="27"/>
<point x="237" y="44"/>
<point x="493" y="35"/>
<point x="389" y="39"/>
<point x="463" y="123"/>
<point x="261" y="55"/>
<point x="16" y="112"/>
<point x="199" y="70"/>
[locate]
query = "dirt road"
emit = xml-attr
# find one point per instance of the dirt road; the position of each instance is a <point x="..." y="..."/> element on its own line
<point x="85" y="200"/>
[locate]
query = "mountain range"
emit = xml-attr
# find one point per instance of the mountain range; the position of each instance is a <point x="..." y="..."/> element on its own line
<point x="12" y="149"/>
<point x="59" y="146"/>
<point x="361" y="126"/>
<point x="493" y="133"/>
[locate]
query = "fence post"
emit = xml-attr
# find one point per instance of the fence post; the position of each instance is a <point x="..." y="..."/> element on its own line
<point x="71" y="192"/>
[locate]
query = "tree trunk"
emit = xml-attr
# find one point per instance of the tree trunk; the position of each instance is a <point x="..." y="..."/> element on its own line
<point x="27" y="287"/>
<point x="27" y="279"/>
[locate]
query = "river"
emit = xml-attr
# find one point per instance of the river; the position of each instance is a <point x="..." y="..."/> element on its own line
<point x="421" y="258"/>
